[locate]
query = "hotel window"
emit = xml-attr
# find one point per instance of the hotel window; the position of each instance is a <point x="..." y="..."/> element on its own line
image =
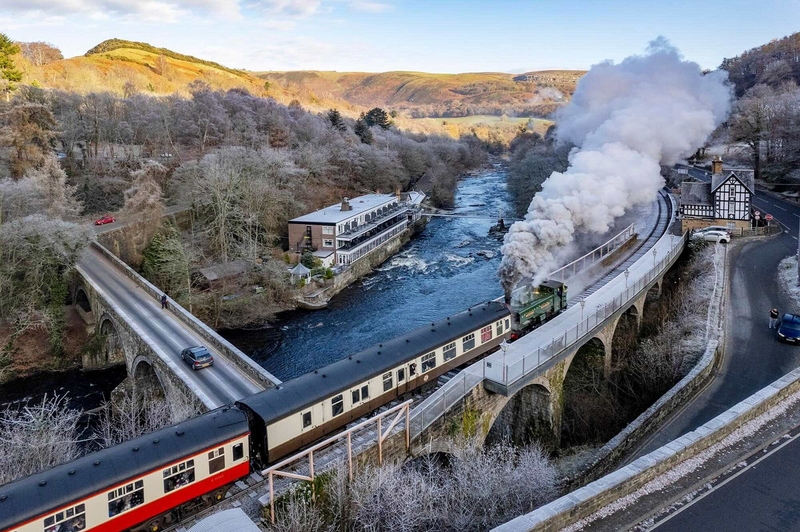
<point x="337" y="405"/>
<point x="327" y="229"/>
<point x="486" y="334"/>
<point x="387" y="381"/>
<point x="468" y="342"/>
<point x="70" y="519"/>
<point x="428" y="361"/>
<point x="327" y="243"/>
<point x="178" y="475"/>
<point x="449" y="351"/>
<point x="216" y="460"/>
<point x="124" y="498"/>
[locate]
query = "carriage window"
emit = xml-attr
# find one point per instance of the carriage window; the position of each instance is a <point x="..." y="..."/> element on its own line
<point x="499" y="328"/>
<point x="365" y="392"/>
<point x="401" y="375"/>
<point x="306" y="419"/>
<point x="356" y="396"/>
<point x="216" y="460"/>
<point x="468" y="342"/>
<point x="428" y="361"/>
<point x="178" y="475"/>
<point x="449" y="351"/>
<point x="238" y="451"/>
<point x="72" y="519"/>
<point x="508" y="324"/>
<point x="412" y="369"/>
<point x="337" y="405"/>
<point x="124" y="498"/>
<point x="387" y="381"/>
<point x="486" y="334"/>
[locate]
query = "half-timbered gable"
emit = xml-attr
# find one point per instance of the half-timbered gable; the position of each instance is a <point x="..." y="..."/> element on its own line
<point x="732" y="192"/>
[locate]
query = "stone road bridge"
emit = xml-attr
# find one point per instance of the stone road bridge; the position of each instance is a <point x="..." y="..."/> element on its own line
<point x="125" y="311"/>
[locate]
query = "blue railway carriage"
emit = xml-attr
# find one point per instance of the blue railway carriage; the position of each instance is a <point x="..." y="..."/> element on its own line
<point x="301" y="411"/>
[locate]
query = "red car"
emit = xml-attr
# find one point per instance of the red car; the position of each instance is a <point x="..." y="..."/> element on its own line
<point x="105" y="220"/>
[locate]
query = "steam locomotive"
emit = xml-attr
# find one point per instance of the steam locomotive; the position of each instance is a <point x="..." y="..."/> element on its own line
<point x="151" y="482"/>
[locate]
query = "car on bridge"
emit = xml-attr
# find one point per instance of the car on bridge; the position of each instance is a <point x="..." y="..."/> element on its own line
<point x="105" y="220"/>
<point x="789" y="328"/>
<point x="197" y="357"/>
<point x="712" y="236"/>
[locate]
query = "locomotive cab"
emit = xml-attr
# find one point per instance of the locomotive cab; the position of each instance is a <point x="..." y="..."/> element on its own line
<point x="532" y="306"/>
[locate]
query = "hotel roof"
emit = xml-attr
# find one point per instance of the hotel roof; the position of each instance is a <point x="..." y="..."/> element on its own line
<point x="334" y="214"/>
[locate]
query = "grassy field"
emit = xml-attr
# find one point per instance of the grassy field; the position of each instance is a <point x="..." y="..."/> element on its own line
<point x="489" y="120"/>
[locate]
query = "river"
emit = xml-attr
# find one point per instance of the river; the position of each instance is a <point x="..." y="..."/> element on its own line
<point x="439" y="272"/>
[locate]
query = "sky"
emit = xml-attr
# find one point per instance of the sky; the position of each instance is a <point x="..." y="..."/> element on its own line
<point x="445" y="36"/>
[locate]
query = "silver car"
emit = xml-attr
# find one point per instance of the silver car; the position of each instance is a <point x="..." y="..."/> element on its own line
<point x="712" y="236"/>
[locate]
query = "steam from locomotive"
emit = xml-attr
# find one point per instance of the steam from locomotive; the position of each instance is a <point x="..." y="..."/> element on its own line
<point x="625" y="119"/>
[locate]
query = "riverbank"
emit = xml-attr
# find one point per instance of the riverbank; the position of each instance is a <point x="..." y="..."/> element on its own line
<point x="446" y="268"/>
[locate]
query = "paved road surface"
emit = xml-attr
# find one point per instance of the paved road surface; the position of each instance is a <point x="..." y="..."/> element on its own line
<point x="222" y="383"/>
<point x="763" y="496"/>
<point x="753" y="357"/>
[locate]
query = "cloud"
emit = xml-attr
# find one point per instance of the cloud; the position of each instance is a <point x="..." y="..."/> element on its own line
<point x="288" y="7"/>
<point x="369" y="7"/>
<point x="163" y="10"/>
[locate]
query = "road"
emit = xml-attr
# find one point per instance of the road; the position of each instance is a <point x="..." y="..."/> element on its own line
<point x="761" y="496"/>
<point x="753" y="357"/>
<point x="221" y="384"/>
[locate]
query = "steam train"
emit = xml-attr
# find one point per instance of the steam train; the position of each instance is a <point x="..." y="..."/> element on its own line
<point x="151" y="482"/>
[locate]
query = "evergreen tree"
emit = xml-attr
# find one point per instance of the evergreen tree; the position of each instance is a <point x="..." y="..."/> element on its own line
<point x="362" y="130"/>
<point x="8" y="72"/>
<point x="378" y="117"/>
<point x="335" y="118"/>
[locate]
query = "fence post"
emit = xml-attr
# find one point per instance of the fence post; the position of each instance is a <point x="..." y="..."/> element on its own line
<point x="380" y="441"/>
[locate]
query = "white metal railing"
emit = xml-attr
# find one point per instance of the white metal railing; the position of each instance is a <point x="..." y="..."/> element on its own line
<point x="363" y="248"/>
<point x="508" y="373"/>
<point x="594" y="256"/>
<point x="278" y="470"/>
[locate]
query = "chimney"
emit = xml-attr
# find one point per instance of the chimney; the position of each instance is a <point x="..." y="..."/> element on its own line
<point x="716" y="165"/>
<point x="346" y="205"/>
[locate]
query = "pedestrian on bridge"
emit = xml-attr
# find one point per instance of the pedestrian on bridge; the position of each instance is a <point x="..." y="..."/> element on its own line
<point x="164" y="302"/>
<point x="773" y="318"/>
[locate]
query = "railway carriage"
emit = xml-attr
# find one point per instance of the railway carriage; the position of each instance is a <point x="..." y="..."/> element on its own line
<point x="301" y="411"/>
<point x="142" y="484"/>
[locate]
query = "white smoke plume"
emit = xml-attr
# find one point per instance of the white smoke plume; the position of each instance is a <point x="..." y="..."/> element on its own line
<point x="625" y="119"/>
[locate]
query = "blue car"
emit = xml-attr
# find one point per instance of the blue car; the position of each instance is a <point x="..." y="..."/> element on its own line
<point x="789" y="328"/>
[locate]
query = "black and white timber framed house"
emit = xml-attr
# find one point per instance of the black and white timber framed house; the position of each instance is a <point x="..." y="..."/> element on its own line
<point x="726" y="200"/>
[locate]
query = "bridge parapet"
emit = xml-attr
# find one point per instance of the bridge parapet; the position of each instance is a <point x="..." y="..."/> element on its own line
<point x="212" y="339"/>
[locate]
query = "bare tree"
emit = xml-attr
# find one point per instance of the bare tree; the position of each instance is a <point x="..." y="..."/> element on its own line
<point x="36" y="437"/>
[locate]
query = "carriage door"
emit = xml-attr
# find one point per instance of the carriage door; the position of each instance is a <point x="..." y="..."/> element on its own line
<point x="402" y="380"/>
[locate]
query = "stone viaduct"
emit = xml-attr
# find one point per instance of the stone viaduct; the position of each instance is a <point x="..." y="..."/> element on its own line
<point x="528" y="408"/>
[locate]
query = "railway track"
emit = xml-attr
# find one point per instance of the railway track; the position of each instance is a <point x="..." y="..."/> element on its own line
<point x="642" y="247"/>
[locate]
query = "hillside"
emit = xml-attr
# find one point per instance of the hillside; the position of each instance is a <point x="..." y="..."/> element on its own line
<point x="421" y="94"/>
<point x="125" y="66"/>
<point x="771" y="64"/>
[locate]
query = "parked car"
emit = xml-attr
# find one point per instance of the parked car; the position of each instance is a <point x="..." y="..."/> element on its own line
<point x="105" y="220"/>
<point x="712" y="236"/>
<point x="197" y="357"/>
<point x="789" y="328"/>
<point x="722" y="228"/>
